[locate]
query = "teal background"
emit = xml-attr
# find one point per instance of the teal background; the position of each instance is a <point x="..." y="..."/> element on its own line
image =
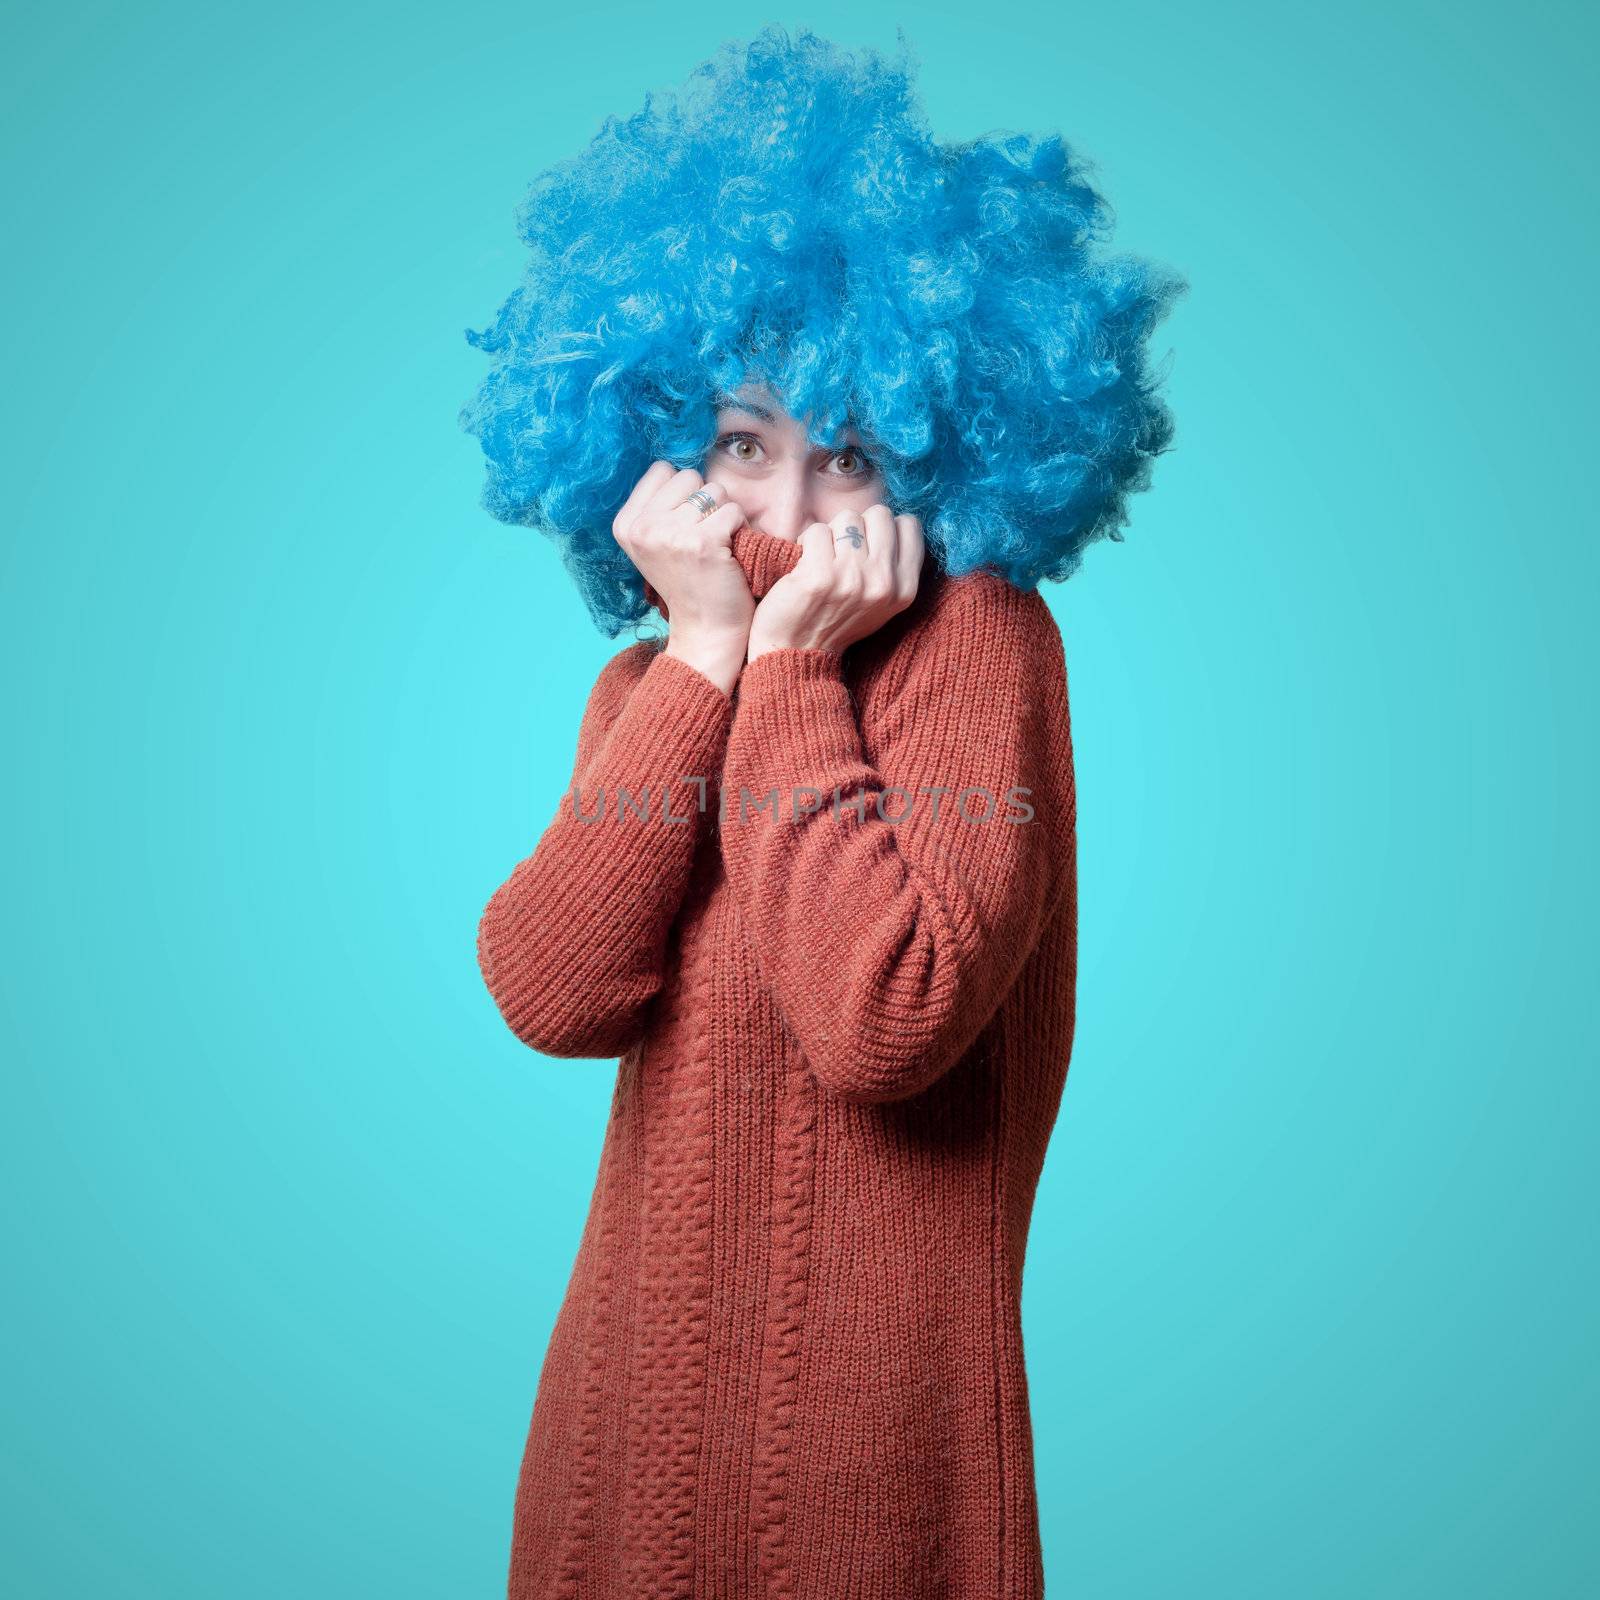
<point x="1310" y="1307"/>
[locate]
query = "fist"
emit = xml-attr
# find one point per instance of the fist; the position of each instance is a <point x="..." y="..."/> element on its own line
<point x="686" y="552"/>
<point x="854" y="574"/>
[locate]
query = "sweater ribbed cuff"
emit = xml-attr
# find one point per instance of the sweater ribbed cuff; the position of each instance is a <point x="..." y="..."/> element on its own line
<point x="795" y="720"/>
<point x="670" y="735"/>
<point x="794" y="749"/>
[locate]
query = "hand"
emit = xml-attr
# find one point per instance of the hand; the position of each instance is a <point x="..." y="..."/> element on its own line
<point x="854" y="575"/>
<point x="687" y="557"/>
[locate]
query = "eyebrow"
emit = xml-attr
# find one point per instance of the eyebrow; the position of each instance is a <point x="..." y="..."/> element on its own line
<point x="726" y="402"/>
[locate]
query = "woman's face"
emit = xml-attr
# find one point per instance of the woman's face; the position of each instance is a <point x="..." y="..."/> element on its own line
<point x="764" y="463"/>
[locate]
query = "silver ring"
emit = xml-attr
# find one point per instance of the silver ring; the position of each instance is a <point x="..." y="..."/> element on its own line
<point x="705" y="500"/>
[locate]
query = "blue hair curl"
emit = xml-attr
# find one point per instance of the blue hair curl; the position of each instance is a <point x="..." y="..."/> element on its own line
<point x="786" y="218"/>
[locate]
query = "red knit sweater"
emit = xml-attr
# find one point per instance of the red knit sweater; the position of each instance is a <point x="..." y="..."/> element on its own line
<point x="789" y="1361"/>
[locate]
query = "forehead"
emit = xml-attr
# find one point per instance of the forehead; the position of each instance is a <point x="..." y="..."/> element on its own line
<point x="758" y="401"/>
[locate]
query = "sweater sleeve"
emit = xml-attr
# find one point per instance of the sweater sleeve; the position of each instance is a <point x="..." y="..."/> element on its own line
<point x="572" y="945"/>
<point x="891" y="921"/>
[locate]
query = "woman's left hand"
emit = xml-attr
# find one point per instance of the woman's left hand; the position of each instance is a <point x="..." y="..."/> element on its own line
<point x="855" y="573"/>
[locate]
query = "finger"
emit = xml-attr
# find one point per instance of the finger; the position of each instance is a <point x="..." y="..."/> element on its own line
<point x="694" y="510"/>
<point x="909" y="554"/>
<point x="721" y="525"/>
<point x="656" y="474"/>
<point x="816" y="549"/>
<point x="883" y="536"/>
<point x="675" y="490"/>
<point x="850" y="538"/>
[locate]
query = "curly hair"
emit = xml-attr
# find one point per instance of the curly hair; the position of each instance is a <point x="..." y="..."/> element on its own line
<point x="786" y="219"/>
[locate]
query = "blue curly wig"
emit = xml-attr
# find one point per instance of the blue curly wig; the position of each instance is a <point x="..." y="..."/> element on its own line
<point x="787" y="219"/>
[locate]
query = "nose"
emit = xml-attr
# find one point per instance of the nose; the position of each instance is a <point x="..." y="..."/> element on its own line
<point x="783" y="506"/>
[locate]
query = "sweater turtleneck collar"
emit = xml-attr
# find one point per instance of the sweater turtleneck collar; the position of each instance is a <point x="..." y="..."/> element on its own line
<point x="764" y="558"/>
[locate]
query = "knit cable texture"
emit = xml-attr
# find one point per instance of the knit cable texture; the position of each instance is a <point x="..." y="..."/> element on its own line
<point x="828" y="925"/>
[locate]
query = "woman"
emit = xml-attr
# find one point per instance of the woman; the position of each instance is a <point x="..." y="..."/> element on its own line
<point x="815" y="883"/>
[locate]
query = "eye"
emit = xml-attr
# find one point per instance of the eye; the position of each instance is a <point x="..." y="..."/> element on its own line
<point x="746" y="447"/>
<point x="865" y="468"/>
<point x="733" y="443"/>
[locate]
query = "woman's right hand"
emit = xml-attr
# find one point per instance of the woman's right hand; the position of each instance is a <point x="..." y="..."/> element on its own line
<point x="687" y="558"/>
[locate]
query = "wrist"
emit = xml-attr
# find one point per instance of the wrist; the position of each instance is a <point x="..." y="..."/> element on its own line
<point x="720" y="657"/>
<point x="765" y="644"/>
